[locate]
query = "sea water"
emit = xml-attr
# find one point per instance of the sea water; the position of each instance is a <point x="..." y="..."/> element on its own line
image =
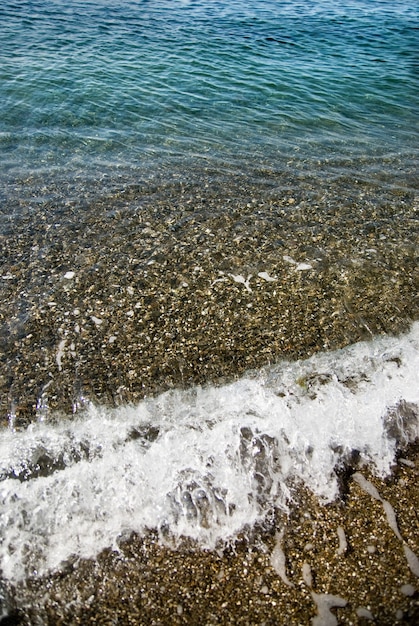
<point x="233" y="99"/>
<point x="93" y="86"/>
<point x="204" y="463"/>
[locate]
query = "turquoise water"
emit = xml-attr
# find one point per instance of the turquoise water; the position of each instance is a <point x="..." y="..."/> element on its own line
<point x="98" y="85"/>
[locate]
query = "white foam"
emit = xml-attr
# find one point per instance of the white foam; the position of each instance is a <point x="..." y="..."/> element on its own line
<point x="302" y="267"/>
<point x="408" y="590"/>
<point x="412" y="560"/>
<point x="307" y="575"/>
<point x="60" y="353"/>
<point x="325" y="602"/>
<point x="343" y="544"/>
<point x="266" y="277"/>
<point x="391" y="519"/>
<point x="205" y="462"/>
<point x="278" y="560"/>
<point x="238" y="278"/>
<point x="368" y="487"/>
<point x="364" y="612"/>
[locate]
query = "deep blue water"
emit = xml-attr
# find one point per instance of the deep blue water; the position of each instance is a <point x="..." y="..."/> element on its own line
<point x="139" y="85"/>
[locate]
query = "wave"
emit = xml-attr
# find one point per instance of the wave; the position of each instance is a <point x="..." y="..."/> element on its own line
<point x="207" y="462"/>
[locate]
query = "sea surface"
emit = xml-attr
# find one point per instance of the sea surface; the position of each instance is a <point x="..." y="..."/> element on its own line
<point x="209" y="263"/>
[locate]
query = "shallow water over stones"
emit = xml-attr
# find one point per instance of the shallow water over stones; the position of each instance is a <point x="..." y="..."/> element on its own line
<point x="150" y="286"/>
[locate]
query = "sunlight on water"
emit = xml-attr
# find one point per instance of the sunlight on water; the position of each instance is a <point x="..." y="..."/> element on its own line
<point x="135" y="83"/>
<point x="190" y="189"/>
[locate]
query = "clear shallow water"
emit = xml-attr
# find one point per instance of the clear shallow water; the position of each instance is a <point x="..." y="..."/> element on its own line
<point x="186" y="184"/>
<point x="149" y="85"/>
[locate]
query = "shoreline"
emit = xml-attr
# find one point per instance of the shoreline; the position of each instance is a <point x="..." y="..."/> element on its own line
<point x="209" y="314"/>
<point x="345" y="549"/>
<point x="137" y="293"/>
<point x="189" y="292"/>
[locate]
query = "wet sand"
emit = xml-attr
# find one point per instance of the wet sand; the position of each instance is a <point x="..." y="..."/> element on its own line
<point x="347" y="548"/>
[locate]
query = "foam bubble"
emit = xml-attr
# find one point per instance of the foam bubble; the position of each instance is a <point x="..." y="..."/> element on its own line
<point x="278" y="561"/>
<point x="343" y="544"/>
<point x="204" y="462"/>
<point x="408" y="590"/>
<point x="325" y="602"/>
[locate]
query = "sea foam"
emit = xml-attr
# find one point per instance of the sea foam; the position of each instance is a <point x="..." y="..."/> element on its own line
<point x="206" y="462"/>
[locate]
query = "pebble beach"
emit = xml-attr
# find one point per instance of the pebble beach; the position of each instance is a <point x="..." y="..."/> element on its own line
<point x="209" y="335"/>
